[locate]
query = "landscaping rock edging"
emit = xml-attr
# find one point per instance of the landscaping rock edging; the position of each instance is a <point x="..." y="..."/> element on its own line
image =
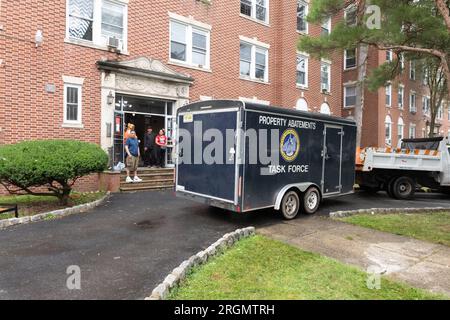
<point x="53" y="214"/>
<point x="342" y="214"/>
<point x="179" y="273"/>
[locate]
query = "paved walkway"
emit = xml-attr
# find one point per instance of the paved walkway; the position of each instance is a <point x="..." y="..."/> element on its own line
<point x="420" y="264"/>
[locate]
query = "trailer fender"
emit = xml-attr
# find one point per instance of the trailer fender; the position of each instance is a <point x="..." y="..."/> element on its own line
<point x="302" y="187"/>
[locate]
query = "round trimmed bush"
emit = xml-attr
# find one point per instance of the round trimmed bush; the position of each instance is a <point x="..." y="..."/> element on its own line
<point x="55" y="164"/>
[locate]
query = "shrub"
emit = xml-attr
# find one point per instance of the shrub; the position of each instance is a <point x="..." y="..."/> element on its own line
<point x="53" y="164"/>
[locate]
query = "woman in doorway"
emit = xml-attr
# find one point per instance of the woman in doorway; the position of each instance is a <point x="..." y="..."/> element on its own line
<point x="161" y="144"/>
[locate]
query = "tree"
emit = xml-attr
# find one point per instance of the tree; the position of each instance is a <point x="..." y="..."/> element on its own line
<point x="31" y="167"/>
<point x="407" y="27"/>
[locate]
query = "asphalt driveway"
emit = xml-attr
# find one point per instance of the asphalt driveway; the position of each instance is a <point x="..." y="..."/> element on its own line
<point x="126" y="246"/>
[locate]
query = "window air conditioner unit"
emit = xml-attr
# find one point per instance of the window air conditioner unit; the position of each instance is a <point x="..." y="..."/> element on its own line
<point x="114" y="43"/>
<point x="324" y="88"/>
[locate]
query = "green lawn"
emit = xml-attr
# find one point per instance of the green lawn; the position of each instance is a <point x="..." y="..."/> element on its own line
<point x="261" y="268"/>
<point x="31" y="205"/>
<point x="433" y="227"/>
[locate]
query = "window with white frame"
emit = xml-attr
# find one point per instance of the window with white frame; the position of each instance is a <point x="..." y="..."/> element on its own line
<point x="72" y="100"/>
<point x="351" y="15"/>
<point x="401" y="96"/>
<point x="349" y="96"/>
<point x="412" y="130"/>
<point x="302" y="12"/>
<point x="254" y="62"/>
<point x="440" y="112"/>
<point x="388" y="130"/>
<point x="426" y="105"/>
<point x="97" y="21"/>
<point x="325" y="77"/>
<point x="401" y="57"/>
<point x="412" y="102"/>
<point x="388" y="90"/>
<point x="350" y="58"/>
<point x="389" y="55"/>
<point x="412" y="70"/>
<point x="425" y="76"/>
<point x="302" y="70"/>
<point x="256" y="9"/>
<point x="326" y="27"/>
<point x="189" y="44"/>
<point x="400" y="129"/>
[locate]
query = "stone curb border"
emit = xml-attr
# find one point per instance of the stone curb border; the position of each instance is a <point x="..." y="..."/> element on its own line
<point x="56" y="213"/>
<point x="179" y="273"/>
<point x="342" y="214"/>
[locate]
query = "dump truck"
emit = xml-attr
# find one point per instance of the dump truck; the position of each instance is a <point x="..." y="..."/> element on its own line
<point x="414" y="164"/>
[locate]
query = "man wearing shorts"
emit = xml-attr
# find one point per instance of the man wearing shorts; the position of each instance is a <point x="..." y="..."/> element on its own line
<point x="132" y="162"/>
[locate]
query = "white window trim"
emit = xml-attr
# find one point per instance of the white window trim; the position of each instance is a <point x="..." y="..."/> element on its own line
<point x="412" y="126"/>
<point x="255" y="44"/>
<point x="411" y="93"/>
<point x="390" y="94"/>
<point x="346" y="86"/>
<point x="411" y="69"/>
<point x="306" y="3"/>
<point x="191" y="24"/>
<point x="388" y="140"/>
<point x="345" y="60"/>
<point x="97" y="42"/>
<point x="328" y="63"/>
<point x="73" y="82"/>
<point x="346" y="10"/>
<point x="255" y="100"/>
<point x="265" y="22"/>
<point x="391" y="55"/>
<point x="306" y="56"/>
<point x="401" y="107"/>
<point x="328" y="22"/>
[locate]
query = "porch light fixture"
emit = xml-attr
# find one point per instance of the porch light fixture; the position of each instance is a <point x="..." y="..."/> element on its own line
<point x="110" y="98"/>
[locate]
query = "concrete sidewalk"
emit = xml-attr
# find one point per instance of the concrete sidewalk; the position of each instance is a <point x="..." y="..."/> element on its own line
<point x="418" y="263"/>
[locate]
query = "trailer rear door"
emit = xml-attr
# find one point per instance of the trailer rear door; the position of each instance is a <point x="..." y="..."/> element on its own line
<point x="332" y="160"/>
<point x="199" y="173"/>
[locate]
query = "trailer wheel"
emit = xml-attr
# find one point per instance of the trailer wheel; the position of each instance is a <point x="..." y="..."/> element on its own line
<point x="290" y="205"/>
<point x="403" y="188"/>
<point x="311" y="200"/>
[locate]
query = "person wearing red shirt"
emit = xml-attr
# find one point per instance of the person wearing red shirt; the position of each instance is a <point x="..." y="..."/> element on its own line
<point x="161" y="144"/>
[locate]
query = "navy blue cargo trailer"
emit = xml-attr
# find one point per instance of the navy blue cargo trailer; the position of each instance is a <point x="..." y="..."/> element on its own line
<point x="245" y="156"/>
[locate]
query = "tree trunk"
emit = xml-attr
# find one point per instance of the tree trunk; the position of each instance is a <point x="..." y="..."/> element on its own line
<point x="363" y="52"/>
<point x="64" y="196"/>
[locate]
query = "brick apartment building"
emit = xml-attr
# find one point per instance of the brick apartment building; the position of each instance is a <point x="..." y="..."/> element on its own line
<point x="81" y="69"/>
<point x="400" y="110"/>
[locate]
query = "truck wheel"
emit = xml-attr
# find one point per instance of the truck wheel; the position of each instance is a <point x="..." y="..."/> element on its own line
<point x="389" y="188"/>
<point x="311" y="200"/>
<point x="404" y="188"/>
<point x="290" y="205"/>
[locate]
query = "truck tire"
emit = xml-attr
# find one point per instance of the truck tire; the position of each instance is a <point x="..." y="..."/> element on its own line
<point x="403" y="188"/>
<point x="389" y="188"/>
<point x="311" y="200"/>
<point x="290" y="205"/>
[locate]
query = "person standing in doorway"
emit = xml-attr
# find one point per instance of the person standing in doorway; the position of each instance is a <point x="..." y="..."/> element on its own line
<point x="149" y="147"/>
<point x="161" y="144"/>
<point x="133" y="154"/>
<point x="126" y="134"/>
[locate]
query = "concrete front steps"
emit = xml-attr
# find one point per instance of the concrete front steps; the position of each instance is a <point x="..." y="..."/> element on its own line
<point x="152" y="179"/>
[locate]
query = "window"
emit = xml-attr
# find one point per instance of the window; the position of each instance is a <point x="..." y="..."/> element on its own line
<point x="302" y="70"/>
<point x="326" y="27"/>
<point x="440" y="112"/>
<point x="388" y="90"/>
<point x="350" y="58"/>
<point x="253" y="62"/>
<point x="189" y="44"/>
<point x="351" y="15"/>
<point x="400" y="129"/>
<point x="325" y="77"/>
<point x="401" y="96"/>
<point x="412" y="70"/>
<point x="426" y="105"/>
<point x="388" y="130"/>
<point x="256" y="9"/>
<point x="325" y="108"/>
<point x="72" y="101"/>
<point x="401" y="57"/>
<point x="412" y="102"/>
<point x="302" y="105"/>
<point x="302" y="12"/>
<point x="389" y="55"/>
<point x="349" y="96"/>
<point x="97" y="21"/>
<point x="412" y="131"/>
<point x="425" y="76"/>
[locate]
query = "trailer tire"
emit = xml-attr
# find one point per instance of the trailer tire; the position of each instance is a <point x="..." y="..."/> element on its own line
<point x="290" y="205"/>
<point x="311" y="200"/>
<point x="403" y="188"/>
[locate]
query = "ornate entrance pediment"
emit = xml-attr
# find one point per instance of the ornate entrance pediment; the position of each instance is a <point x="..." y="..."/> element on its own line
<point x="145" y="67"/>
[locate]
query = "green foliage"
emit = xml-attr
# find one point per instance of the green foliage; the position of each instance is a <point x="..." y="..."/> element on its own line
<point x="406" y="23"/>
<point x="42" y="163"/>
